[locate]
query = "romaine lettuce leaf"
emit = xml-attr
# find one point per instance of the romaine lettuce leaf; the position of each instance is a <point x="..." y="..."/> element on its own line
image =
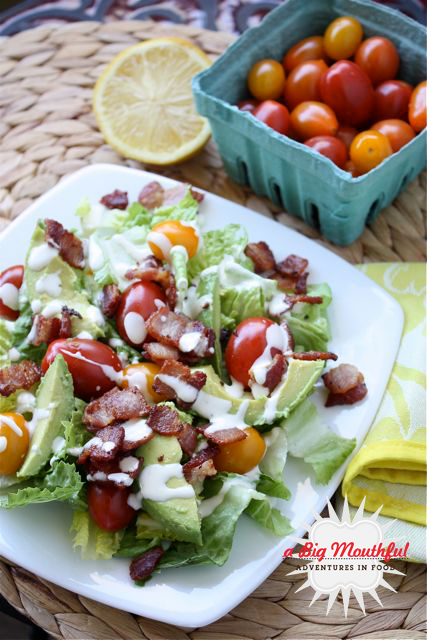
<point x="229" y="241"/>
<point x="272" y="465"/>
<point x="92" y="541"/>
<point x="131" y="546"/>
<point x="186" y="209"/>
<point x="269" y="517"/>
<point x="309" y="322"/>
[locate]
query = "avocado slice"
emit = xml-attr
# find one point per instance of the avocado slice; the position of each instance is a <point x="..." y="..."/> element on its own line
<point x="179" y="515"/>
<point x="71" y="291"/>
<point x="54" y="404"/>
<point x="301" y="376"/>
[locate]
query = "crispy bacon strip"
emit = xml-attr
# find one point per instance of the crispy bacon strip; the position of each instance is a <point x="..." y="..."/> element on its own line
<point x="152" y="269"/>
<point x="117" y="405"/>
<point x="46" y="330"/>
<point x="197" y="195"/>
<point x="301" y="283"/>
<point x="292" y="299"/>
<point x="292" y="266"/>
<point x="142" y="567"/>
<point x="110" y="300"/>
<point x="183" y="374"/>
<point x="160" y="352"/>
<point x="164" y="420"/>
<point x="313" y="355"/>
<point x="188" y="439"/>
<point x="199" y="459"/>
<point x="21" y="375"/>
<point x="168" y="327"/>
<point x="151" y="195"/>
<point x="70" y="246"/>
<point x="106" y="450"/>
<point x="115" y="200"/>
<point x="346" y="385"/>
<point x="261" y="255"/>
<point x="275" y="371"/>
<point x="291" y="340"/>
<point x="114" y="466"/>
<point x="225" y="436"/>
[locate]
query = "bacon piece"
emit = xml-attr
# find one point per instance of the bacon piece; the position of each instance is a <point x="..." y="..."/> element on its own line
<point x="261" y="255"/>
<point x="21" y="375"/>
<point x="301" y="283"/>
<point x="45" y="330"/>
<point x="346" y="385"/>
<point x="285" y="283"/>
<point x="275" y="371"/>
<point x="197" y="195"/>
<point x="114" y="466"/>
<point x="199" y="459"/>
<point x="65" y="329"/>
<point x="129" y="444"/>
<point x="110" y="300"/>
<point x="115" y="200"/>
<point x="226" y="436"/>
<point x="117" y="405"/>
<point x="198" y="474"/>
<point x="142" y="567"/>
<point x="106" y="450"/>
<point x="292" y="266"/>
<point x="152" y="269"/>
<point x="183" y="374"/>
<point x="174" y="195"/>
<point x="188" y="439"/>
<point x="151" y="195"/>
<point x="313" y="355"/>
<point x="291" y="340"/>
<point x="70" y="246"/>
<point x="164" y="420"/>
<point x="159" y="352"/>
<point x="168" y="327"/>
<point x="292" y="299"/>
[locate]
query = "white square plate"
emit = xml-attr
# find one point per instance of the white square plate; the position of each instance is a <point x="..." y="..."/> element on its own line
<point x="366" y="327"/>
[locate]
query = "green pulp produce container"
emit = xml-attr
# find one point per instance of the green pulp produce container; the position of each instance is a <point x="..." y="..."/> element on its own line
<point x="290" y="173"/>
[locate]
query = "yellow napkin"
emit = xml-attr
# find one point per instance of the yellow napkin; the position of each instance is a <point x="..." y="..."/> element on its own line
<point x="390" y="468"/>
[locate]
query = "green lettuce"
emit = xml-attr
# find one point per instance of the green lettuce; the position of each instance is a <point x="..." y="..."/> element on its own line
<point x="5" y="343"/>
<point x="186" y="209"/>
<point x="309" y="322"/>
<point x="229" y="241"/>
<point x="92" y="541"/>
<point x="132" y="546"/>
<point x="269" y="517"/>
<point x="272" y="465"/>
<point x="208" y="288"/>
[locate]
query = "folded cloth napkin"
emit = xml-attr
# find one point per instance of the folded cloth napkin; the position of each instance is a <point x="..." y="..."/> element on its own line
<point x="390" y="468"/>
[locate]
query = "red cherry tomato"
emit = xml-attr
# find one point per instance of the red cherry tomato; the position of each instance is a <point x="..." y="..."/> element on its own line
<point x="418" y="107"/>
<point x="10" y="282"/>
<point x="250" y="104"/>
<point x="398" y="132"/>
<point x="348" y="91"/>
<point x="392" y="100"/>
<point x="266" y="79"/>
<point x="308" y="49"/>
<point x="347" y="135"/>
<point x="273" y="114"/>
<point x="92" y="365"/>
<point x="246" y="344"/>
<point x="138" y="302"/>
<point x="330" y="147"/>
<point x="311" y="119"/>
<point x="108" y="506"/>
<point x="368" y="150"/>
<point x="342" y="37"/>
<point x="349" y="166"/>
<point x="379" y="59"/>
<point x="303" y="82"/>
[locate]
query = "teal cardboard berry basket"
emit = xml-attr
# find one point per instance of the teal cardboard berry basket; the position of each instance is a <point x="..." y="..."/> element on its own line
<point x="290" y="173"/>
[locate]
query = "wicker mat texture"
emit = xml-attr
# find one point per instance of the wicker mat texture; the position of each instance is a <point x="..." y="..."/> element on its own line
<point x="47" y="131"/>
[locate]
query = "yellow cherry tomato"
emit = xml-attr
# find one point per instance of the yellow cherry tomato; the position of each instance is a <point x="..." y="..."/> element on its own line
<point x="342" y="37"/>
<point x="369" y="149"/>
<point x="266" y="80"/>
<point x="14" y="442"/>
<point x="172" y="233"/>
<point x="141" y="376"/>
<point x="242" y="456"/>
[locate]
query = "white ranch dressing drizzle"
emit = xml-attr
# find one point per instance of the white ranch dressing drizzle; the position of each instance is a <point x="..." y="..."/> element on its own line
<point x="278" y="305"/>
<point x="115" y="342"/>
<point x="208" y="506"/>
<point x="192" y="305"/>
<point x="50" y="283"/>
<point x="58" y="444"/>
<point x="159" y="303"/>
<point x="85" y="335"/>
<point x="9" y="295"/>
<point x="38" y="414"/>
<point x="138" y="379"/>
<point x="129" y="464"/>
<point x="136" y="429"/>
<point x="161" y="241"/>
<point x="186" y="392"/>
<point x="14" y="354"/>
<point x="122" y="479"/>
<point x="94" y="314"/>
<point x="136" y="251"/>
<point x="108" y="370"/>
<point x="12" y="424"/>
<point x="135" y="327"/>
<point x="3" y="443"/>
<point x="25" y="402"/>
<point x="36" y="306"/>
<point x="53" y="308"/>
<point x="276" y="337"/>
<point x="229" y="420"/>
<point x="235" y="389"/>
<point x="153" y="482"/>
<point x="41" y="256"/>
<point x="96" y="257"/>
<point x="189" y="341"/>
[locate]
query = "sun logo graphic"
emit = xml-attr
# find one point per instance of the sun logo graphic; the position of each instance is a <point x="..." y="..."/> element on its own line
<point x="347" y="555"/>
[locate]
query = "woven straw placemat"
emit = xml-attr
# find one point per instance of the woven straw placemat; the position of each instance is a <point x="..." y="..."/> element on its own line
<point x="47" y="131"/>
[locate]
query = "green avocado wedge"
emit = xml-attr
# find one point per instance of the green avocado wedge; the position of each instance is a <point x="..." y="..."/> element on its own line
<point x="54" y="404"/>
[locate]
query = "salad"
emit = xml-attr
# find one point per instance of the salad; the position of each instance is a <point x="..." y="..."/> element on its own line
<point x="156" y="377"/>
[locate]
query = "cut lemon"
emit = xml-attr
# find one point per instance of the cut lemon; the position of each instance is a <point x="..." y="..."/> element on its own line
<point x="144" y="105"/>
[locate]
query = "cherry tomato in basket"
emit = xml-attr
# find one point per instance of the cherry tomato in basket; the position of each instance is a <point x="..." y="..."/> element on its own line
<point x="346" y="88"/>
<point x="368" y="150"/>
<point x="346" y="135"/>
<point x="418" y="107"/>
<point x="14" y="442"/>
<point x="308" y="49"/>
<point x="342" y="37"/>
<point x="303" y="82"/>
<point x="141" y="376"/>
<point x="266" y="80"/>
<point x="92" y="364"/>
<point x="108" y="506"/>
<point x="392" y="100"/>
<point x="331" y="147"/>
<point x="273" y="114"/>
<point x="398" y="132"/>
<point x="137" y="303"/>
<point x="10" y="283"/>
<point x="379" y="59"/>
<point x="250" y="104"/>
<point x="241" y="456"/>
<point x="170" y="233"/>
<point x="312" y="118"/>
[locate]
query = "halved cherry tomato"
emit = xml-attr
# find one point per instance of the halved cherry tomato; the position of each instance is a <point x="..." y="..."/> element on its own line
<point x="10" y="283"/>
<point x="241" y="456"/>
<point x="137" y="303"/>
<point x="266" y="79"/>
<point x="347" y="135"/>
<point x="418" y="107"/>
<point x="379" y="59"/>
<point x="170" y="233"/>
<point x="273" y="114"/>
<point x="14" y="442"/>
<point x="398" y="132"/>
<point x="250" y="104"/>
<point x="108" y="506"/>
<point x="311" y="119"/>
<point x="392" y="100"/>
<point x="330" y="147"/>
<point x="308" y="49"/>
<point x="93" y="365"/>
<point x="342" y="37"/>
<point x="303" y="82"/>
<point x="368" y="150"/>
<point x="141" y="376"/>
<point x="246" y="344"/>
<point x="346" y="88"/>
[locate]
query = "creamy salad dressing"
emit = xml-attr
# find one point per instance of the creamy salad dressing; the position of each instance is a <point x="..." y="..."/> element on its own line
<point x="278" y="305"/>
<point x="161" y="241"/>
<point x="229" y="420"/>
<point x="41" y="256"/>
<point x="137" y="252"/>
<point x="50" y="283"/>
<point x="108" y="370"/>
<point x="138" y="378"/>
<point x="153" y="482"/>
<point x="25" y="402"/>
<point x="136" y="429"/>
<point x="129" y="464"/>
<point x="12" y="424"/>
<point x="276" y="338"/>
<point x="9" y="295"/>
<point x="36" y="306"/>
<point x="85" y="335"/>
<point x="53" y="308"/>
<point x="96" y="258"/>
<point x="14" y="354"/>
<point x="189" y="341"/>
<point x="186" y="392"/>
<point x="135" y="327"/>
<point x="208" y="506"/>
<point x="3" y="443"/>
